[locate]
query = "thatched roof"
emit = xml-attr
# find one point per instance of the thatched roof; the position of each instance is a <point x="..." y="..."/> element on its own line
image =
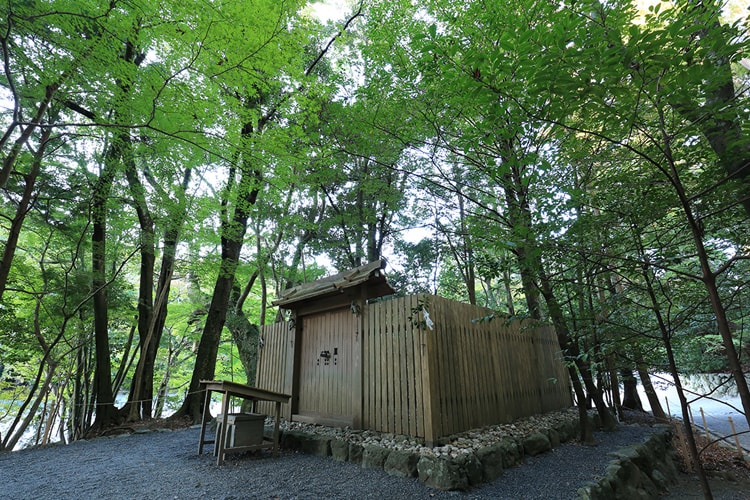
<point x="370" y="276"/>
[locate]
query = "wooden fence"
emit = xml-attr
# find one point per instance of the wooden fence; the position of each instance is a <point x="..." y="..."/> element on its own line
<point x="460" y="374"/>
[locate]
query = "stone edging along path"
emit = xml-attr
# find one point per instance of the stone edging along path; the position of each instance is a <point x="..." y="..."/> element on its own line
<point x="642" y="470"/>
<point x="470" y="459"/>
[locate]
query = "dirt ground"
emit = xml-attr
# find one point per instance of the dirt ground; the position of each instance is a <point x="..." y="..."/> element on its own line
<point x="688" y="487"/>
<point x="728" y="474"/>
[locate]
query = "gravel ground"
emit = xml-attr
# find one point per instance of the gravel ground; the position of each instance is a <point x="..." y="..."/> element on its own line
<point x="166" y="465"/>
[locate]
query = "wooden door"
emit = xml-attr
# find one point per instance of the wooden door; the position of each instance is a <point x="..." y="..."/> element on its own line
<point x="325" y="375"/>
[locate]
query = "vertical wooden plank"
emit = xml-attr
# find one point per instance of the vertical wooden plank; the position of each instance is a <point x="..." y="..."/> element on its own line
<point x="327" y="394"/>
<point x="463" y="392"/>
<point x="357" y="368"/>
<point x="494" y="404"/>
<point x="478" y="357"/>
<point x="378" y="362"/>
<point x="457" y="376"/>
<point x="393" y="369"/>
<point x="417" y="388"/>
<point x="407" y="375"/>
<point x="407" y="370"/>
<point x="447" y="366"/>
<point x="472" y="360"/>
<point x="364" y="339"/>
<point x="399" y="369"/>
<point x="293" y="366"/>
<point x="372" y="356"/>
<point x="334" y="382"/>
<point x="431" y="397"/>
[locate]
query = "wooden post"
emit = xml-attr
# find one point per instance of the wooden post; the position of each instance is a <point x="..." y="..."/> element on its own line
<point x="705" y="425"/>
<point x="429" y="383"/>
<point x="293" y="356"/>
<point x="736" y="439"/>
<point x="357" y="352"/>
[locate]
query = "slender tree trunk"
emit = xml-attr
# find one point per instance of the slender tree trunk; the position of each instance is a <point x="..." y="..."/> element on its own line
<point x="520" y="221"/>
<point x="128" y="356"/>
<point x="232" y="238"/>
<point x="164" y="282"/>
<point x="692" y="447"/>
<point x="584" y="424"/>
<point x="572" y="353"/>
<point x="653" y="398"/>
<point x="141" y="391"/>
<point x="10" y="159"/>
<point x="22" y="209"/>
<point x="245" y="336"/>
<point x="105" y="402"/>
<point x="80" y="395"/>
<point x="16" y="431"/>
<point x="508" y="292"/>
<point x="614" y="382"/>
<point x="631" y="400"/>
<point x="708" y="276"/>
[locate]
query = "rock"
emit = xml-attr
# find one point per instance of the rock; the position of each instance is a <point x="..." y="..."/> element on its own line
<point x="536" y="443"/>
<point x="512" y="452"/>
<point x="491" y="458"/>
<point x="317" y="445"/>
<point x="554" y="438"/>
<point x="355" y="453"/>
<point x="374" y="457"/>
<point x="340" y="450"/>
<point x="471" y="466"/>
<point x="292" y="440"/>
<point x="401" y="463"/>
<point x="441" y="473"/>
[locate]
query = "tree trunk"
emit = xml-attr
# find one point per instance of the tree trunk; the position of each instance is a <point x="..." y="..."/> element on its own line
<point x="10" y="159"/>
<point x="614" y="386"/>
<point x="718" y="118"/>
<point x="572" y="353"/>
<point x="19" y="427"/>
<point x="584" y="424"/>
<point x="630" y="399"/>
<point x="105" y="402"/>
<point x="692" y="447"/>
<point x="232" y="238"/>
<point x="519" y="215"/>
<point x="163" y="287"/>
<point x="22" y="209"/>
<point x="245" y="336"/>
<point x="708" y="276"/>
<point x="141" y="389"/>
<point x="653" y="398"/>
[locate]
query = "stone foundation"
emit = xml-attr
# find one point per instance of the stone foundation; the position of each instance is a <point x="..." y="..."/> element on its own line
<point x="639" y="471"/>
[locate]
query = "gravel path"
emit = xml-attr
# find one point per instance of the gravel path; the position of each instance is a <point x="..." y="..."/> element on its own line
<point x="166" y="465"/>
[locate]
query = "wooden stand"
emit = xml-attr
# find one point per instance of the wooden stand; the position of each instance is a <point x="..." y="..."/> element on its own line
<point x="254" y="394"/>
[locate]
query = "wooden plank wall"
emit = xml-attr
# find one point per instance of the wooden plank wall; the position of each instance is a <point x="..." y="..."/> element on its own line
<point x="278" y="347"/>
<point x="461" y="375"/>
<point x="491" y="372"/>
<point x="392" y="391"/>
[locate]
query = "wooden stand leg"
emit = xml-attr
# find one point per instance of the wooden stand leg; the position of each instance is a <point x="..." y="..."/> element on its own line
<point x="276" y="430"/>
<point x="204" y="422"/>
<point x="221" y="432"/>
